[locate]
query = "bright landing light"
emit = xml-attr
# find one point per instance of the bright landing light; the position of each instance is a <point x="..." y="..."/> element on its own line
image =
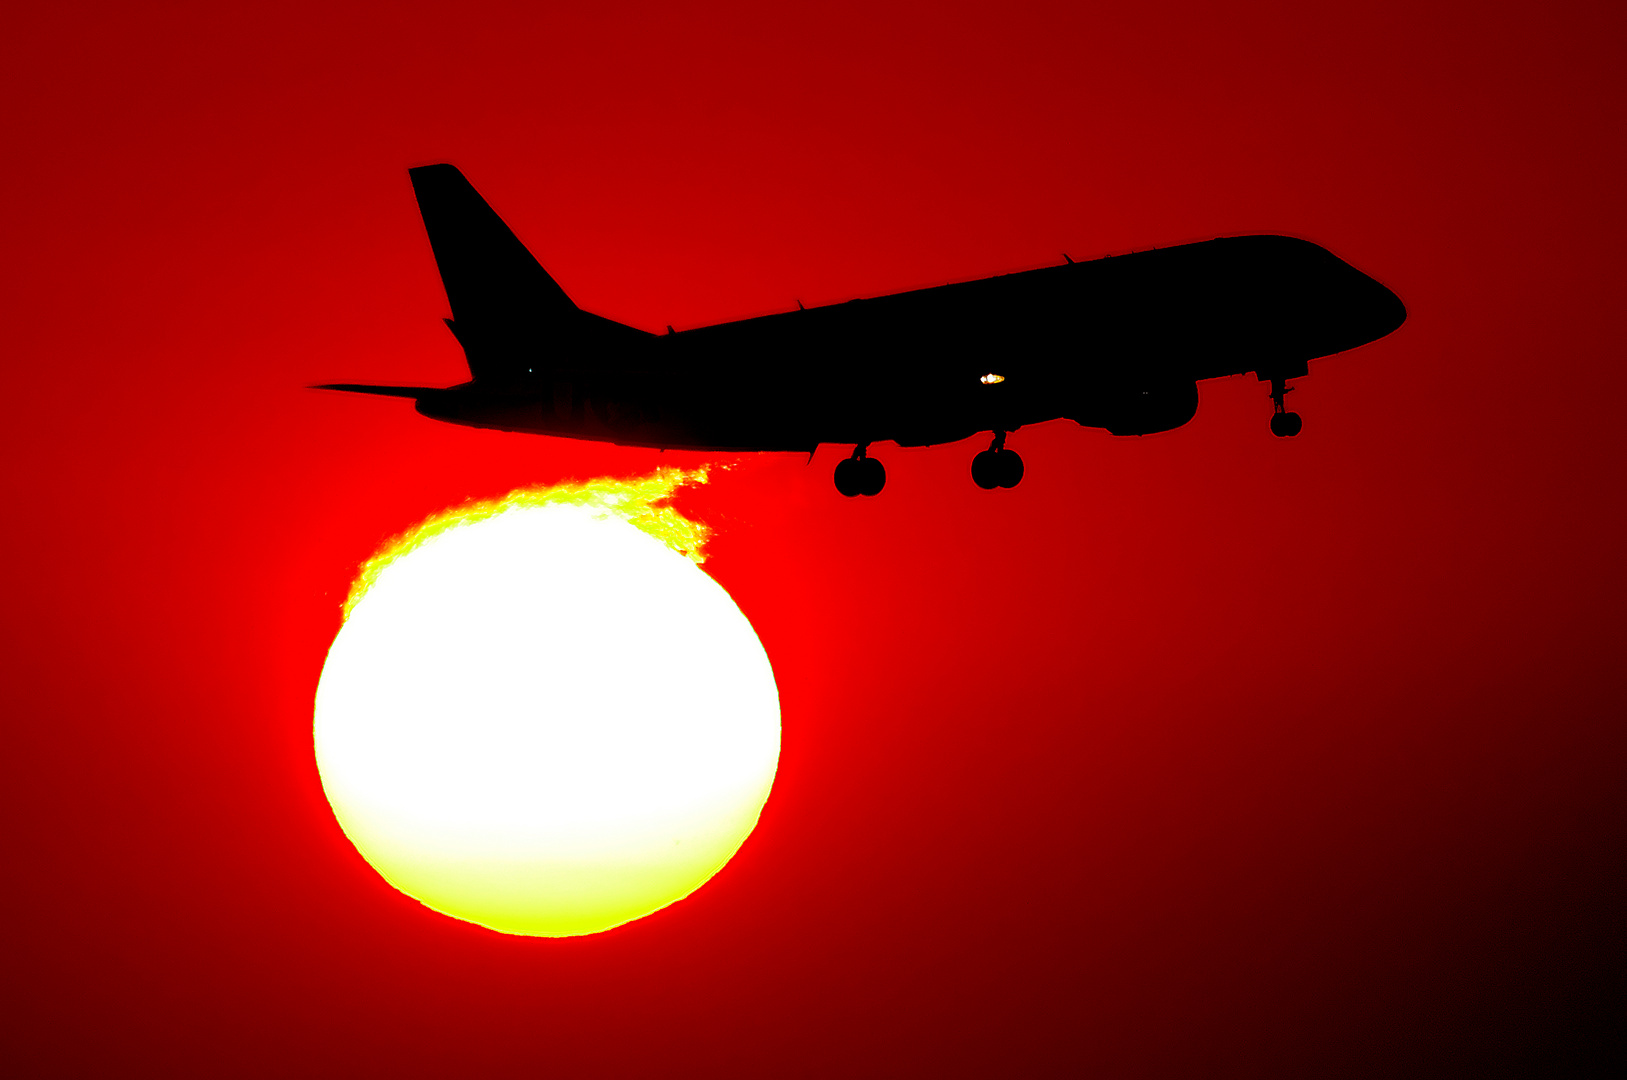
<point x="541" y="716"/>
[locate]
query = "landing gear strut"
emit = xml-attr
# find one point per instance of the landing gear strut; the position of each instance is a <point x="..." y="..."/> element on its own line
<point x="1284" y="425"/>
<point x="860" y="474"/>
<point x="997" y="466"/>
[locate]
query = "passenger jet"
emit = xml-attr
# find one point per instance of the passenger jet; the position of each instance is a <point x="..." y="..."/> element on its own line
<point x="1118" y="343"/>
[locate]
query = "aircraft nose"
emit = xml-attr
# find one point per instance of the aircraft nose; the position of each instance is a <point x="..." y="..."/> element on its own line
<point x="1382" y="309"/>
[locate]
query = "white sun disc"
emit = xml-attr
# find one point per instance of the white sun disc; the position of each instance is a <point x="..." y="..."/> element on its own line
<point x="546" y="721"/>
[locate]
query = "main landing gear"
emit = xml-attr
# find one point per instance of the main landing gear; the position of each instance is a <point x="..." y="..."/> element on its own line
<point x="859" y="474"/>
<point x="997" y="466"/>
<point x="1284" y="425"/>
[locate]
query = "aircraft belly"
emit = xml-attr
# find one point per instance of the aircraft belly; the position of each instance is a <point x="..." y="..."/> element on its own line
<point x="676" y="419"/>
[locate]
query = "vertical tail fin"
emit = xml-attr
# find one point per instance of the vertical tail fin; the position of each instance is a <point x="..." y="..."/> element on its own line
<point x="488" y="274"/>
<point x="509" y="315"/>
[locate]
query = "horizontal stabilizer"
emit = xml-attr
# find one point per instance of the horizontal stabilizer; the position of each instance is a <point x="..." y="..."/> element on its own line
<point x="381" y="391"/>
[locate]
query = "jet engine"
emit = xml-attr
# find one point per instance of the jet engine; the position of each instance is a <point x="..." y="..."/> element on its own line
<point x="1138" y="409"/>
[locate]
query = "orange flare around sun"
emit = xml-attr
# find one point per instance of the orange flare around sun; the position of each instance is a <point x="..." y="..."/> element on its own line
<point x="640" y="502"/>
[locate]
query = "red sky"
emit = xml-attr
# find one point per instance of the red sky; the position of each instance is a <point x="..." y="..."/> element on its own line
<point x="1200" y="754"/>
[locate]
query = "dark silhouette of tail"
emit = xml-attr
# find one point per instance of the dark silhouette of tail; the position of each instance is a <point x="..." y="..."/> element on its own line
<point x="489" y="275"/>
<point x="512" y="318"/>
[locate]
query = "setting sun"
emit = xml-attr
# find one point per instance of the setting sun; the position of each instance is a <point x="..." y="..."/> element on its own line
<point x="542" y="716"/>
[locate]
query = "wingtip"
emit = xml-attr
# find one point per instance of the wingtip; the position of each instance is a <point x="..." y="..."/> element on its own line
<point x="377" y="391"/>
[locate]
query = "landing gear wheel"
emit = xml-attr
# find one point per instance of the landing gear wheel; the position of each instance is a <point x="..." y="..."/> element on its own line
<point x="860" y="475"/>
<point x="986" y="470"/>
<point x="872" y="477"/>
<point x="997" y="468"/>
<point x="849" y="478"/>
<point x="1285" y="425"/>
<point x="1011" y="468"/>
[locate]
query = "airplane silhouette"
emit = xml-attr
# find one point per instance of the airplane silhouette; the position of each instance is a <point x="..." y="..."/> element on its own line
<point x="1117" y="343"/>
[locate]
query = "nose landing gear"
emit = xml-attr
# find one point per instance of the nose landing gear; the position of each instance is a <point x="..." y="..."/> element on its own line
<point x="1284" y="425"/>
<point x="997" y="466"/>
<point x="859" y="474"/>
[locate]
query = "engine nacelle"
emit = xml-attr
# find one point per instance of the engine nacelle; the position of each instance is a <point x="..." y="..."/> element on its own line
<point x="1138" y="410"/>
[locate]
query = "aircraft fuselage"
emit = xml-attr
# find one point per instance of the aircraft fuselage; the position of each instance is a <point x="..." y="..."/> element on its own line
<point x="1089" y="341"/>
<point x="1118" y="343"/>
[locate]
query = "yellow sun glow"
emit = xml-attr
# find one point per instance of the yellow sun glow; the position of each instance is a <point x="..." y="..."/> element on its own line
<point x="542" y="716"/>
